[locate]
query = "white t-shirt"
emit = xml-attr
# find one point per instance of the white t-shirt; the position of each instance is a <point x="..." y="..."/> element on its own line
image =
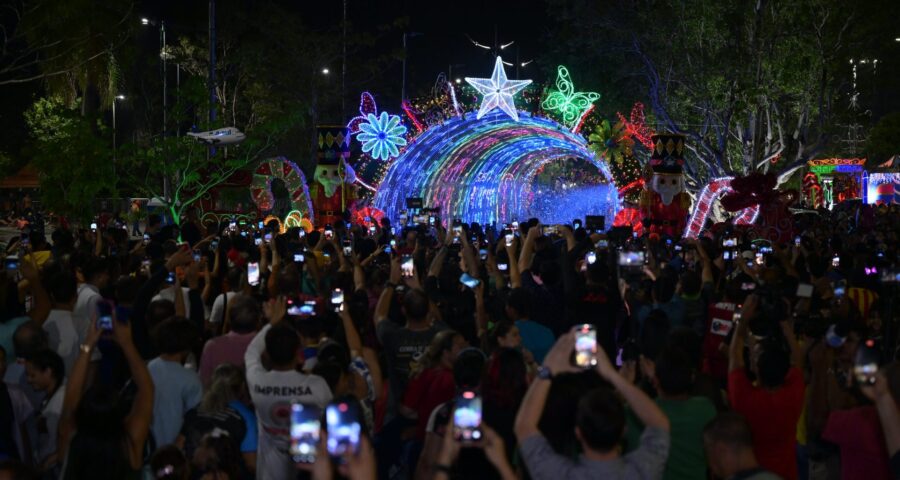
<point x="85" y="312"/>
<point x="48" y="423"/>
<point x="169" y="294"/>
<point x="85" y="309"/>
<point x="218" y="308"/>
<point x="272" y="393"/>
<point x="62" y="336"/>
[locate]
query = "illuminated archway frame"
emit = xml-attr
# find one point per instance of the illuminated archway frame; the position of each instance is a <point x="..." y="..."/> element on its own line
<point x="481" y="170"/>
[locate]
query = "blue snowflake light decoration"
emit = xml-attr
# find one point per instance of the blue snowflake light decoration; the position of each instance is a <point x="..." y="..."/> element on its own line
<point x="381" y="136"/>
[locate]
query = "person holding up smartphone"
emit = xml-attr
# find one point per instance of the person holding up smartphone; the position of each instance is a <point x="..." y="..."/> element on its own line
<point x="277" y="386"/>
<point x="600" y="425"/>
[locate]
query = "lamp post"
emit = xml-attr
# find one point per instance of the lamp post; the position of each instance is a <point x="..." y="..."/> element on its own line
<point x="403" y="87"/>
<point x="163" y="56"/>
<point x="115" y="136"/>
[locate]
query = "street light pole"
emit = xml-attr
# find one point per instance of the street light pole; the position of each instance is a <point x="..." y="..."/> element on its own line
<point x="403" y="88"/>
<point x="163" y="54"/>
<point x="403" y="85"/>
<point x="115" y="131"/>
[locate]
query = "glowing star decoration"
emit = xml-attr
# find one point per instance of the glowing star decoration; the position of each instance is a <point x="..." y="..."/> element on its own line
<point x="498" y="91"/>
<point x="381" y="136"/>
<point x="565" y="100"/>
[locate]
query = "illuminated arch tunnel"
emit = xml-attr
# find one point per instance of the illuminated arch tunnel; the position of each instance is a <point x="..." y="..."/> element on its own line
<point x="483" y="171"/>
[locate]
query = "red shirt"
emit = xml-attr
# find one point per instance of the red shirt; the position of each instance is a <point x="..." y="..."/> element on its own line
<point x="773" y="416"/>
<point x="858" y="433"/>
<point x="718" y="325"/>
<point x="426" y="391"/>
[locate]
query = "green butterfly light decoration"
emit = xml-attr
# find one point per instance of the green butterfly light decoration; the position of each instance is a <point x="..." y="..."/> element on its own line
<point x="565" y="100"/>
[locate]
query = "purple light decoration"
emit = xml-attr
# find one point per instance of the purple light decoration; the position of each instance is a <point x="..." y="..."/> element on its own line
<point x="482" y="171"/>
<point x="367" y="106"/>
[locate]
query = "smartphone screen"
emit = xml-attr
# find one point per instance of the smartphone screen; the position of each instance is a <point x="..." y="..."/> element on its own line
<point x="590" y="257"/>
<point x="467" y="417"/>
<point x="483" y="254"/>
<point x="170" y="278"/>
<point x="337" y="300"/>
<point x="840" y="288"/>
<point x="253" y="274"/>
<point x="104" y="316"/>
<point x="93" y="227"/>
<point x="509" y="239"/>
<point x="299" y="258"/>
<point x="804" y="290"/>
<point x="406" y="266"/>
<point x="342" y="422"/>
<point x="836" y="261"/>
<point x="11" y="263"/>
<point x="146" y="239"/>
<point x="631" y="259"/>
<point x="268" y="238"/>
<point x="865" y="365"/>
<point x="469" y="280"/>
<point x="329" y="234"/>
<point x="503" y="267"/>
<point x="585" y="346"/>
<point x="260" y="225"/>
<point x="197" y="255"/>
<point x="305" y="426"/>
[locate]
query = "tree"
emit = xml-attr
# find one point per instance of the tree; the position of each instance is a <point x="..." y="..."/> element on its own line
<point x="754" y="85"/>
<point x="70" y="46"/>
<point x="882" y="143"/>
<point x="187" y="166"/>
<point x="75" y="163"/>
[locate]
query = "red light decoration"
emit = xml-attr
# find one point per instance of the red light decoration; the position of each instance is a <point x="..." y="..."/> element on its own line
<point x="407" y="108"/>
<point x="636" y="125"/>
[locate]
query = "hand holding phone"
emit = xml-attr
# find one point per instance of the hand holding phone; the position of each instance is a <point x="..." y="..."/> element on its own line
<point x="344" y="427"/>
<point x="253" y="274"/>
<point x="585" y="346"/>
<point x="104" y="315"/>
<point x="406" y="266"/>
<point x="337" y="300"/>
<point x="467" y="417"/>
<point x="305" y="427"/>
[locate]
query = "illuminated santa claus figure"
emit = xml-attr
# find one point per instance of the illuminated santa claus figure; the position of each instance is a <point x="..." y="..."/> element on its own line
<point x="332" y="189"/>
<point x="664" y="204"/>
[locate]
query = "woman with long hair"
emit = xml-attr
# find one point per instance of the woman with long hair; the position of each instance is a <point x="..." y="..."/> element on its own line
<point x="223" y="408"/>
<point x="432" y="383"/>
<point x="100" y="437"/>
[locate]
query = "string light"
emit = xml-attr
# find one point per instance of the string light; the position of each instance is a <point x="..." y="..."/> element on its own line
<point x="482" y="169"/>
<point x="565" y="100"/>
<point x="366" y="106"/>
<point x="498" y="91"/>
<point x="407" y="108"/>
<point x="587" y="111"/>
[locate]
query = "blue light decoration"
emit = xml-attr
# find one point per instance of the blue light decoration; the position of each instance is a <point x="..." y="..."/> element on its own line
<point x="381" y="136"/>
<point x="483" y="170"/>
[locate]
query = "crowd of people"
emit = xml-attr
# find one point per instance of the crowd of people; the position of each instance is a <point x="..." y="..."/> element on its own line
<point x="440" y="349"/>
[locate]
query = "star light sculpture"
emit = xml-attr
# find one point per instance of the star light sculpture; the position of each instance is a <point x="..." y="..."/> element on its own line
<point x="498" y="91"/>
<point x="381" y="136"/>
<point x="565" y="100"/>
